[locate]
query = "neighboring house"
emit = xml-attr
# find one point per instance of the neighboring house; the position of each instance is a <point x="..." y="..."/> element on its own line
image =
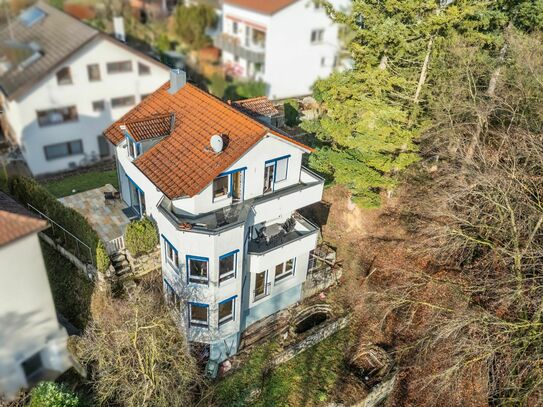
<point x="288" y="44"/>
<point x="32" y="342"/>
<point x="223" y="189"/>
<point x="62" y="82"/>
<point x="262" y="109"/>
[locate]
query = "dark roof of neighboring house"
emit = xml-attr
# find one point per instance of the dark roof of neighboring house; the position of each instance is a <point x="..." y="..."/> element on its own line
<point x="183" y="163"/>
<point x="151" y="127"/>
<point x="42" y="47"/>
<point x="261" y="6"/>
<point x="260" y="106"/>
<point x="51" y="39"/>
<point x="15" y="221"/>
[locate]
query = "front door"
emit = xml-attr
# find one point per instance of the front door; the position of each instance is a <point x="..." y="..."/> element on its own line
<point x="237" y="186"/>
<point x="268" y="177"/>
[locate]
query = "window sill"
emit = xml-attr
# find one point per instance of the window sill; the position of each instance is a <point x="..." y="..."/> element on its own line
<point x="227" y="281"/>
<point x="221" y="198"/>
<point x="225" y="322"/>
<point x="197" y="325"/>
<point x="199" y="283"/>
<point x="283" y="278"/>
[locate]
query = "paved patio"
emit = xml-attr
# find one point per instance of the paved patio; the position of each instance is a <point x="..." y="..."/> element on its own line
<point x="109" y="221"/>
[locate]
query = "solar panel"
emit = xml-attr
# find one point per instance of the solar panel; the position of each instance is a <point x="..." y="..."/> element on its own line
<point x="31" y="16"/>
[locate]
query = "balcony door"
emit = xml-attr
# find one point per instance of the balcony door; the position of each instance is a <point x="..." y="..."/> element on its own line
<point x="269" y="173"/>
<point x="237" y="186"/>
<point x="261" y="285"/>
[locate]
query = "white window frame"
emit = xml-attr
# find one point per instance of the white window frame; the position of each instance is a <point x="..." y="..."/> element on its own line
<point x="318" y="33"/>
<point x="285" y="274"/>
<point x="172" y="255"/>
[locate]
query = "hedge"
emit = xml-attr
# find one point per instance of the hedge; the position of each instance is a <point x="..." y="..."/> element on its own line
<point x="28" y="191"/>
<point x="141" y="237"/>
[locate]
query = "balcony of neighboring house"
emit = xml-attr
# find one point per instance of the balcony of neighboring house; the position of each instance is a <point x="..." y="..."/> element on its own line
<point x="250" y="48"/>
<point x="267" y="206"/>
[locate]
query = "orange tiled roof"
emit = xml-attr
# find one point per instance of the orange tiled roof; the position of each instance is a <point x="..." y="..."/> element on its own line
<point x="151" y="127"/>
<point x="257" y="106"/>
<point x="262" y="6"/>
<point x="16" y="221"/>
<point x="183" y="164"/>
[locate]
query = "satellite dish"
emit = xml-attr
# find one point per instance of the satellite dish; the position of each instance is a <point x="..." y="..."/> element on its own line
<point x="216" y="143"/>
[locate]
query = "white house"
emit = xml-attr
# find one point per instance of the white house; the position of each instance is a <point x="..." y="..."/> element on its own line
<point x="223" y="189"/>
<point x="32" y="343"/>
<point x="288" y="44"/>
<point x="62" y="82"/>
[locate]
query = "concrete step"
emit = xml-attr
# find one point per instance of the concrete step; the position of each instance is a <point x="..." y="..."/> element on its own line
<point x="118" y="257"/>
<point x="122" y="271"/>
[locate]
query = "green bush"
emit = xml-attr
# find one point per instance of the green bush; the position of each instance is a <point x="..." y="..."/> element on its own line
<point x="292" y="116"/>
<point x="217" y="85"/>
<point x="49" y="394"/>
<point x="141" y="237"/>
<point x="28" y="191"/>
<point x="102" y="258"/>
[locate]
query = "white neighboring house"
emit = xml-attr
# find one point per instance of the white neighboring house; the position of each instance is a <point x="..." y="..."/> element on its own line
<point x="32" y="342"/>
<point x="288" y="44"/>
<point x="62" y="82"/>
<point x="223" y="189"/>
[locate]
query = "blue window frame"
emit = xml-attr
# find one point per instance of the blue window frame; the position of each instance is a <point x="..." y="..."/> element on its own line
<point x="198" y="314"/>
<point x="171" y="254"/>
<point x="230" y="184"/>
<point x="275" y="171"/>
<point x="227" y="266"/>
<point x="227" y="310"/>
<point x="197" y="270"/>
<point x="171" y="296"/>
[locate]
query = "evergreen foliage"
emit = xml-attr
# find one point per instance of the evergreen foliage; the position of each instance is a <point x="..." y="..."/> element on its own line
<point x="141" y="237"/>
<point x="191" y="22"/>
<point x="28" y="191"/>
<point x="292" y="116"/>
<point x="374" y="113"/>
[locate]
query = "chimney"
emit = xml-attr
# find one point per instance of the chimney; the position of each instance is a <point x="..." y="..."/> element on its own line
<point x="178" y="78"/>
<point x="118" y="28"/>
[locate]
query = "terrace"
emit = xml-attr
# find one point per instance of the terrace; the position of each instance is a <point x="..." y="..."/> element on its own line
<point x="108" y="219"/>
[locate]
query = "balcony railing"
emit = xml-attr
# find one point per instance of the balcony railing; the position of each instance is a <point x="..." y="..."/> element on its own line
<point x="230" y="43"/>
<point x="234" y="215"/>
<point x="302" y="228"/>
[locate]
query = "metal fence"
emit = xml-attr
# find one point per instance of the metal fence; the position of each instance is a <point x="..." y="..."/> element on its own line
<point x="59" y="230"/>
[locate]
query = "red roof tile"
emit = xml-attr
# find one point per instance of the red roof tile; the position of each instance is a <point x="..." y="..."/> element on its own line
<point x="257" y="106"/>
<point x="16" y="221"/>
<point x="183" y="163"/>
<point x="262" y="6"/>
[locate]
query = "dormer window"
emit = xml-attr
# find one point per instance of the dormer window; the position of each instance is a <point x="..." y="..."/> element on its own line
<point x="134" y="148"/>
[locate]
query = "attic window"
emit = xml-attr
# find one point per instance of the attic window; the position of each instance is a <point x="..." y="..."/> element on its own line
<point x="31" y="16"/>
<point x="143" y="69"/>
<point x="220" y="187"/>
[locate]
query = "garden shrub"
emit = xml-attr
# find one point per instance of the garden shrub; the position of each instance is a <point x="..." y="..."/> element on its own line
<point x="50" y="394"/>
<point x="28" y="191"/>
<point x="292" y="115"/>
<point x="102" y="258"/>
<point x="141" y="237"/>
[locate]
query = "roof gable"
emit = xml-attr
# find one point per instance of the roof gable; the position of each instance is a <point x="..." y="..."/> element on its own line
<point x="15" y="221"/>
<point x="183" y="164"/>
<point x="261" y="6"/>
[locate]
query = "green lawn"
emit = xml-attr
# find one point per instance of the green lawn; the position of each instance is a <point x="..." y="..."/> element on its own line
<point x="306" y="380"/>
<point x="82" y="182"/>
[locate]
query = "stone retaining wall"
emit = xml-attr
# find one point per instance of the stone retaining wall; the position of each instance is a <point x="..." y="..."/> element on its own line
<point x="146" y="263"/>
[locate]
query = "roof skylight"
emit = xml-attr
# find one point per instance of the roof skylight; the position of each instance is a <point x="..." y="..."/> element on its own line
<point x="31" y="16"/>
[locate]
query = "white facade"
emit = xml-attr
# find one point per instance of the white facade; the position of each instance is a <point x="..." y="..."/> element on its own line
<point x="44" y="146"/>
<point x="289" y="50"/>
<point x="253" y="288"/>
<point x="33" y="344"/>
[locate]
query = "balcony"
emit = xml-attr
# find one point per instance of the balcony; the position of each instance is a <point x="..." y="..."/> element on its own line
<point x="279" y="235"/>
<point x="259" y="209"/>
<point x="232" y="44"/>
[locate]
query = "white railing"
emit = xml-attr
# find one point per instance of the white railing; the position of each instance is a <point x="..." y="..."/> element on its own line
<point x="115" y="245"/>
